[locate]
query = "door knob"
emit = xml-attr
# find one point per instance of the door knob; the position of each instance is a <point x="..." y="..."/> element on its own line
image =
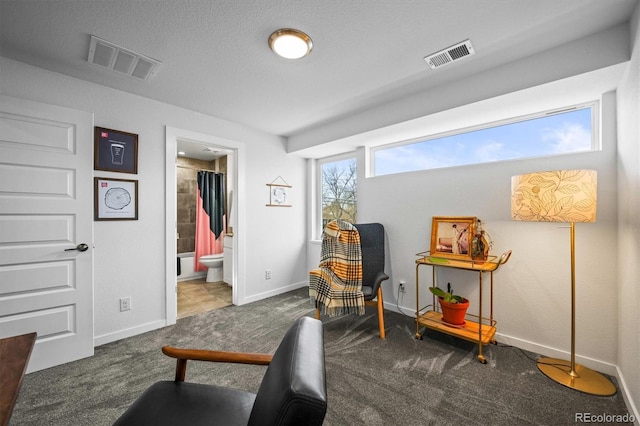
<point x="79" y="247"/>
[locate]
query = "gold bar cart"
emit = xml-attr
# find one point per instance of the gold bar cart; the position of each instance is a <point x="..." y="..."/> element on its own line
<point x="482" y="330"/>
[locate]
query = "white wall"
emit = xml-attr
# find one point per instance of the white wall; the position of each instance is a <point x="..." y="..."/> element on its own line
<point x="276" y="235"/>
<point x="629" y="221"/>
<point x="129" y="255"/>
<point x="580" y="56"/>
<point x="532" y="291"/>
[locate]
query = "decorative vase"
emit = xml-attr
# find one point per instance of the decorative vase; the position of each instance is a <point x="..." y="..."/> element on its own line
<point x="454" y="313"/>
<point x="479" y="245"/>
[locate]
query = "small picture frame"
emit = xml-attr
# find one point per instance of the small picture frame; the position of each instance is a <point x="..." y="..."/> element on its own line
<point x="451" y="236"/>
<point x="115" y="199"/>
<point x="278" y="195"/>
<point x="115" y="151"/>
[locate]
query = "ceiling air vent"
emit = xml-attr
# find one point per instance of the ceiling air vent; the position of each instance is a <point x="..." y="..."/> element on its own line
<point x="450" y="54"/>
<point x="116" y="58"/>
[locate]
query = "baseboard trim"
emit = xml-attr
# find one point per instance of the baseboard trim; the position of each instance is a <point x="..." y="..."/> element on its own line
<point x="594" y="364"/>
<point x="601" y="366"/>
<point x="399" y="309"/>
<point x="128" y="332"/>
<point x="274" y="292"/>
<point x="626" y="395"/>
<point x="197" y="276"/>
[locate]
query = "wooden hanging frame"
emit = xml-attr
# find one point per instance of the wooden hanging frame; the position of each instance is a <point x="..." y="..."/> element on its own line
<point x="279" y="193"/>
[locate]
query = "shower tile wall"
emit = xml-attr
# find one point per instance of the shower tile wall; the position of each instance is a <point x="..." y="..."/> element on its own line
<point x="187" y="185"/>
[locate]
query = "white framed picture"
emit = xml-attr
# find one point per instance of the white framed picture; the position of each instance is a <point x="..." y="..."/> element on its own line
<point x="115" y="199"/>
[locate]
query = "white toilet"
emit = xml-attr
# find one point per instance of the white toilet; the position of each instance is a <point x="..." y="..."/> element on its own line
<point x="214" y="263"/>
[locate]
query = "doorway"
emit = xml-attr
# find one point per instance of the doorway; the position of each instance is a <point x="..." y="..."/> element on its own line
<point x="199" y="291"/>
<point x="235" y="218"/>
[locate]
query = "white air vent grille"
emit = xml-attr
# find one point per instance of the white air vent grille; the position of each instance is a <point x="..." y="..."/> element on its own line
<point x="450" y="54"/>
<point x="116" y="58"/>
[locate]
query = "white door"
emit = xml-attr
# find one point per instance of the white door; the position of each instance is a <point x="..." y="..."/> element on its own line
<point x="46" y="205"/>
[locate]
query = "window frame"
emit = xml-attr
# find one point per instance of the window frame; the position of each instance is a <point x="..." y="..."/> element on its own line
<point x="318" y="186"/>
<point x="596" y="144"/>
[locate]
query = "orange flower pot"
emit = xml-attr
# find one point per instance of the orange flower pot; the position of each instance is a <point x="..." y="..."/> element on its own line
<point x="454" y="313"/>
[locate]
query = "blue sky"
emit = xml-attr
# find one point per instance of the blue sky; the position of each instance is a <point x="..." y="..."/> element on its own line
<point x="548" y="135"/>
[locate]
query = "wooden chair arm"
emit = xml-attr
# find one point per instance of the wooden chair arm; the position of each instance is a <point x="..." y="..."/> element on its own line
<point x="183" y="355"/>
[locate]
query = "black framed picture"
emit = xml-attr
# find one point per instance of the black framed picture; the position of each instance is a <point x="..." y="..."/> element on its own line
<point x="115" y="150"/>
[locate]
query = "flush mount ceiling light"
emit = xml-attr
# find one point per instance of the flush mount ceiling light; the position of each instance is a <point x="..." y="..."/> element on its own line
<point x="290" y="43"/>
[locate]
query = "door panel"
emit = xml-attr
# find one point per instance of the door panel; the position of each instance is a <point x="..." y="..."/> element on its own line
<point x="46" y="203"/>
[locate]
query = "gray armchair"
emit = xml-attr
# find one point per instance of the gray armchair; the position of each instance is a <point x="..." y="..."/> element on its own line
<point x="293" y="390"/>
<point x="373" y="258"/>
<point x="372" y="245"/>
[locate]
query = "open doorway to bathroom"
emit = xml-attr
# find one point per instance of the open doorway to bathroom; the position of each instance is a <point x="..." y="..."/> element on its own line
<point x="204" y="238"/>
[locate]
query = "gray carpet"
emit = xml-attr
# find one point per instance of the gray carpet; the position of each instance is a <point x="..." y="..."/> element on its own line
<point x="399" y="381"/>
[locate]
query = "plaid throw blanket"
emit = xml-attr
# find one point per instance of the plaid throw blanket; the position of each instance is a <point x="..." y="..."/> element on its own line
<point x="336" y="286"/>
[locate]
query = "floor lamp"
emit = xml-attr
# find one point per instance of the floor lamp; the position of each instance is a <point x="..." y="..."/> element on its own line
<point x="562" y="196"/>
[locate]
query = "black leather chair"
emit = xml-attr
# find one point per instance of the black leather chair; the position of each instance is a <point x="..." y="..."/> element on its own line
<point x="373" y="256"/>
<point x="292" y="392"/>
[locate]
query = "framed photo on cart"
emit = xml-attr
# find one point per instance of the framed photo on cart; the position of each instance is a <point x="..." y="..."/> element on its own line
<point x="451" y="236"/>
<point x="115" y="199"/>
<point x="115" y="151"/>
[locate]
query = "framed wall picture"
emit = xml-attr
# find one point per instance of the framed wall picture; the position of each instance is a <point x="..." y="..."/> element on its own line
<point x="115" y="199"/>
<point x="279" y="193"/>
<point x="115" y="150"/>
<point x="279" y="196"/>
<point x="451" y="236"/>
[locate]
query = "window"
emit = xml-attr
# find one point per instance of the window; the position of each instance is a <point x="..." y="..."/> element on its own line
<point x="338" y="187"/>
<point x="545" y="134"/>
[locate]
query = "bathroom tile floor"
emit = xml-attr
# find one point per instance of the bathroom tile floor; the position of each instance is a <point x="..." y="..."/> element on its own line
<point x="198" y="296"/>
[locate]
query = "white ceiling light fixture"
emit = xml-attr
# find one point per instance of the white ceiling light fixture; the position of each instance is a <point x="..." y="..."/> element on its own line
<point x="290" y="43"/>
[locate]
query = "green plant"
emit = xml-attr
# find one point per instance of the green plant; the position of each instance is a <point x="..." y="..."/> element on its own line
<point x="447" y="296"/>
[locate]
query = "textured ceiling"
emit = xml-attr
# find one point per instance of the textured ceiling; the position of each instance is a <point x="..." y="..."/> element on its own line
<point x="215" y="57"/>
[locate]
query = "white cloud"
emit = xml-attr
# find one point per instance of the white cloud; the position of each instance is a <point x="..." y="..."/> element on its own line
<point x="488" y="152"/>
<point x="569" y="138"/>
<point x="411" y="158"/>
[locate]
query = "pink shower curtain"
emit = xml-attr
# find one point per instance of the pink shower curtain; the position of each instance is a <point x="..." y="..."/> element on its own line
<point x="206" y="241"/>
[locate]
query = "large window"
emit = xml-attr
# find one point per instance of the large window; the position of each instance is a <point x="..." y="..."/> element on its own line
<point x="550" y="133"/>
<point x="338" y="187"/>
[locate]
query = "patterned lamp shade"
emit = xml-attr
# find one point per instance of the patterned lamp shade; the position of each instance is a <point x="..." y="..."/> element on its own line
<point x="558" y="196"/>
<point x="562" y="196"/>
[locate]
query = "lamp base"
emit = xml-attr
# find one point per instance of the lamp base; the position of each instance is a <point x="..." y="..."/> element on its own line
<point x="587" y="380"/>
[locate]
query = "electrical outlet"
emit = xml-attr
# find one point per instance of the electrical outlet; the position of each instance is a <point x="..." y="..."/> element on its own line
<point x="125" y="304"/>
<point x="403" y="288"/>
<point x="267" y="274"/>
